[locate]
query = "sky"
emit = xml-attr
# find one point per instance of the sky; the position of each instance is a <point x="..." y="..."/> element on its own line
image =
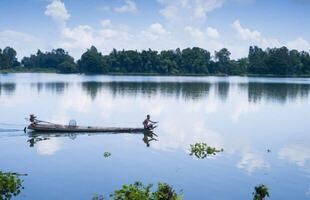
<point x="75" y="25"/>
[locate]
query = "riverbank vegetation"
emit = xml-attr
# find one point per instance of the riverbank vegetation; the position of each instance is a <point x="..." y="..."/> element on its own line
<point x="189" y="61"/>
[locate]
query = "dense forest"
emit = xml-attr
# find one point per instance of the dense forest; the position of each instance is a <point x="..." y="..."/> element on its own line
<point x="189" y="61"/>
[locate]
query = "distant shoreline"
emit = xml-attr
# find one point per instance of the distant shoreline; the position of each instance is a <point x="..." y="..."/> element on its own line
<point x="53" y="71"/>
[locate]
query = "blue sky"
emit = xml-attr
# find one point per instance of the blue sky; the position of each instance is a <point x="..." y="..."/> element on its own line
<point x="28" y="25"/>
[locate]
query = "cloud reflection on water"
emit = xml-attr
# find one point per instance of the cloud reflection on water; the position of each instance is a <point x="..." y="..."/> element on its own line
<point x="298" y="153"/>
<point x="252" y="161"/>
<point x="49" y="147"/>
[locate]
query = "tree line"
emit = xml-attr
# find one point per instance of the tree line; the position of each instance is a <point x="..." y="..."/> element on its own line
<point x="189" y="61"/>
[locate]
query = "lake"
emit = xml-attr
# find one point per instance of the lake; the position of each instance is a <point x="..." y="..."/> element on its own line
<point x="261" y="123"/>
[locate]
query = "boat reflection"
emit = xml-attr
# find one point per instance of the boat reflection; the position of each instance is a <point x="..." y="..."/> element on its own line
<point x="36" y="137"/>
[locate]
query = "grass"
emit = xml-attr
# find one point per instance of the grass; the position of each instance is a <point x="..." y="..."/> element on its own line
<point x="24" y="70"/>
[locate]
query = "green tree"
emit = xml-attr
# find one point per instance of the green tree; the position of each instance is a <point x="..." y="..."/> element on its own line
<point x="195" y="61"/>
<point x="257" y="61"/>
<point x="277" y="61"/>
<point x="223" y="58"/>
<point x="56" y="59"/>
<point x="8" y="58"/>
<point x="67" y="67"/>
<point x="92" y="62"/>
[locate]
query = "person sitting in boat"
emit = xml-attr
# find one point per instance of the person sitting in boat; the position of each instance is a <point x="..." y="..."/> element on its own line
<point x="148" y="124"/>
<point x="32" y="118"/>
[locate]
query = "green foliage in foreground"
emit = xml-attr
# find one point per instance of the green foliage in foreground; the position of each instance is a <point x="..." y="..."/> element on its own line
<point x="202" y="150"/>
<point x="261" y="191"/>
<point x="138" y="191"/>
<point x="10" y="185"/>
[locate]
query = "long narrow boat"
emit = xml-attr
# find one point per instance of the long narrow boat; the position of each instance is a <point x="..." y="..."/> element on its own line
<point x="67" y="128"/>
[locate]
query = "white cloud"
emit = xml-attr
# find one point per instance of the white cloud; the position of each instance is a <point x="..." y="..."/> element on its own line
<point x="158" y="29"/>
<point x="243" y="1"/>
<point x="194" y="32"/>
<point x="106" y="23"/>
<point x="108" y="33"/>
<point x="188" y="10"/>
<point x="184" y="18"/>
<point x="202" y="39"/>
<point x="212" y="33"/>
<point x="57" y="11"/>
<point x="299" y="44"/>
<point x="154" y="31"/>
<point x="78" y="37"/>
<point x="10" y="34"/>
<point x="129" y="6"/>
<point x="254" y="37"/>
<point x="105" y="39"/>
<point x="104" y="8"/>
<point x="246" y="34"/>
<point x="23" y="43"/>
<point x="247" y="37"/>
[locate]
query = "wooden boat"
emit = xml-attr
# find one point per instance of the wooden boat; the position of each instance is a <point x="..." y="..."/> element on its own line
<point x="44" y="126"/>
<point x="67" y="128"/>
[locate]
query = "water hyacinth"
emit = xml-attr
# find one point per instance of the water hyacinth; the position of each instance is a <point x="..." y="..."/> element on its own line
<point x="10" y="186"/>
<point x="261" y="191"/>
<point x="106" y="154"/>
<point x="138" y="191"/>
<point x="202" y="150"/>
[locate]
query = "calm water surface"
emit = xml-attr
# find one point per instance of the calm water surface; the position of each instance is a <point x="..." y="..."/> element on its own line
<point x="244" y="116"/>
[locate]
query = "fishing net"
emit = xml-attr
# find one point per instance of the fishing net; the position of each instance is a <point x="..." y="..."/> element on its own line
<point x="72" y="122"/>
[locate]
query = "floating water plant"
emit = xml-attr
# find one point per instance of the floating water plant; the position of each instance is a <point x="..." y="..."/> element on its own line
<point x="202" y="150"/>
<point x="166" y="192"/>
<point x="106" y="154"/>
<point x="10" y="185"/>
<point x="261" y="191"/>
<point x="138" y="191"/>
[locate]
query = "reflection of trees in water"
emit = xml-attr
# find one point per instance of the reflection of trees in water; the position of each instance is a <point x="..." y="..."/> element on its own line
<point x="57" y="87"/>
<point x="7" y="88"/>
<point x="92" y="88"/>
<point x="175" y="89"/>
<point x="279" y="92"/>
<point x="222" y="90"/>
<point x="38" y="86"/>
